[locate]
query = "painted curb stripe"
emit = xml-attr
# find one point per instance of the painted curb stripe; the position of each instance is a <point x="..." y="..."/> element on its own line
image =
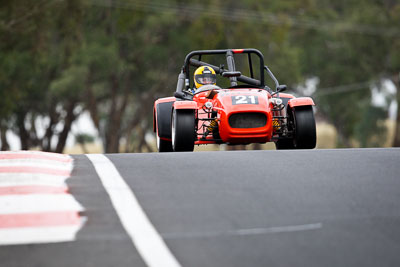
<point x="46" y="156"/>
<point x="29" y="169"/>
<point x="56" y="165"/>
<point x="144" y="236"/>
<point x="11" y="204"/>
<point x="35" y="205"/>
<point x="7" y="179"/>
<point x="39" y="219"/>
<point x="32" y="189"/>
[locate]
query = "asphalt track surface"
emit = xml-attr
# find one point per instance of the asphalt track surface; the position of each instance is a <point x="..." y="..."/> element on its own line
<point x="240" y="208"/>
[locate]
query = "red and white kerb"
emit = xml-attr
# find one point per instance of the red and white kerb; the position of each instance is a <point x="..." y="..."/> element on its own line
<point x="35" y="205"/>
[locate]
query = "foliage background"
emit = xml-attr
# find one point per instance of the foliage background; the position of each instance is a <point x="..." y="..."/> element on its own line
<point x="113" y="58"/>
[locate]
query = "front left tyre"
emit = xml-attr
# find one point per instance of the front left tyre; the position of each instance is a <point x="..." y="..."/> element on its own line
<point x="183" y="130"/>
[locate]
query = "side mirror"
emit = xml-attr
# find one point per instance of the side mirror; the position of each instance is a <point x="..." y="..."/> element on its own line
<point x="182" y="95"/>
<point x="281" y="88"/>
<point x="230" y="74"/>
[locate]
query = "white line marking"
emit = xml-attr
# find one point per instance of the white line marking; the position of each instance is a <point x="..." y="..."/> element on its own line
<point x="12" y="204"/>
<point x="32" y="235"/>
<point x="279" y="229"/>
<point x="148" y="242"/>
<point x="245" y="232"/>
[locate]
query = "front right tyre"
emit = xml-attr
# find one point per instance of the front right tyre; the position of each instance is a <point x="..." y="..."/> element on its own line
<point x="183" y="130"/>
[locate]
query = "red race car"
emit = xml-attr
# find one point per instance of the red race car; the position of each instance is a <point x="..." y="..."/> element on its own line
<point x="243" y="110"/>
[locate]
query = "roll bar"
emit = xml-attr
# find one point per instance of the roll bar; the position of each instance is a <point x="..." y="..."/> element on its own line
<point x="230" y="63"/>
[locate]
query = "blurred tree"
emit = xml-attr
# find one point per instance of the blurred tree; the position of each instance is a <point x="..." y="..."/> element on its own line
<point x="115" y="57"/>
<point x="391" y="68"/>
<point x="348" y="53"/>
<point x="36" y="43"/>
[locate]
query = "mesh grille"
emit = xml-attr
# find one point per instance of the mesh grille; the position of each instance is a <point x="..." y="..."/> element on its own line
<point x="247" y="120"/>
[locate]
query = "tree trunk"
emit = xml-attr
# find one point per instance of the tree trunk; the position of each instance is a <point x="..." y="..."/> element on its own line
<point x="46" y="142"/>
<point x="84" y="148"/>
<point x="91" y="102"/>
<point x="69" y="119"/>
<point x="112" y="133"/>
<point x="34" y="140"/>
<point x="4" y="143"/>
<point x="396" y="81"/>
<point x="23" y="133"/>
<point x="117" y="110"/>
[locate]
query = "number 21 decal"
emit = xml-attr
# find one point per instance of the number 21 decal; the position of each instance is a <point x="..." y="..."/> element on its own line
<point x="244" y="99"/>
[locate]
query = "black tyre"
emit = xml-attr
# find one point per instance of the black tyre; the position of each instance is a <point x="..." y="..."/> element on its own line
<point x="163" y="124"/>
<point x="284" y="144"/>
<point x="163" y="145"/>
<point x="183" y="130"/>
<point x="305" y="135"/>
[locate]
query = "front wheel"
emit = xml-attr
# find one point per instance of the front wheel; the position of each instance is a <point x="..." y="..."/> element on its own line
<point x="183" y="130"/>
<point x="284" y="144"/>
<point x="163" y="145"/>
<point x="305" y="135"/>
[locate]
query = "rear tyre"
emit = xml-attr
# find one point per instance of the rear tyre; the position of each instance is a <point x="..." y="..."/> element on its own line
<point x="305" y="136"/>
<point x="163" y="145"/>
<point x="183" y="130"/>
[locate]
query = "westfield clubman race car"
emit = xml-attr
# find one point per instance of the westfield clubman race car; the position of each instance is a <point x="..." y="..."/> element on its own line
<point x="243" y="111"/>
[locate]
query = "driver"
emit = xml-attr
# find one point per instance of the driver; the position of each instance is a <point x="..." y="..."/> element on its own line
<point x="204" y="75"/>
